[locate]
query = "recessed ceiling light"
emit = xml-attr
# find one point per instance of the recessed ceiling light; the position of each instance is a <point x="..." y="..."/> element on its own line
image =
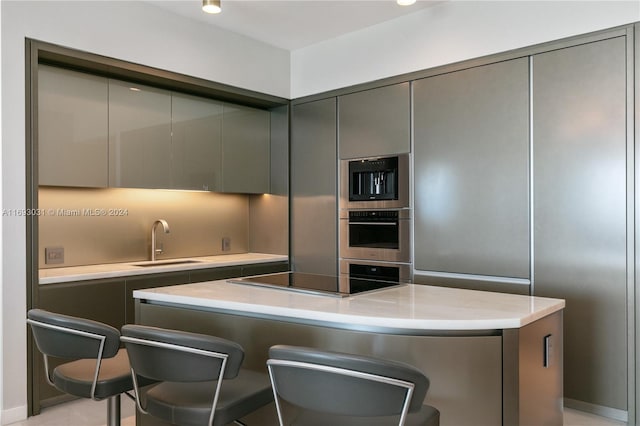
<point x="212" y="6"/>
<point x="406" y="2"/>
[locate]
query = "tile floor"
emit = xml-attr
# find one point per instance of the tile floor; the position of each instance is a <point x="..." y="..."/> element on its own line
<point x="90" y="413"/>
<point x="82" y="412"/>
<point x="580" y="418"/>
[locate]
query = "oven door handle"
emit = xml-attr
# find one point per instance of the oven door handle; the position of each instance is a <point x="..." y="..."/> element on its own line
<point x="375" y="223"/>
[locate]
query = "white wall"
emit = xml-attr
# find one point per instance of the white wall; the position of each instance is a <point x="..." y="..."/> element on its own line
<point x="1" y="266"/>
<point x="132" y="31"/>
<point x="447" y="33"/>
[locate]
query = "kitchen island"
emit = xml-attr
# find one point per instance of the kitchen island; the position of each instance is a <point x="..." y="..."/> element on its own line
<point x="492" y="358"/>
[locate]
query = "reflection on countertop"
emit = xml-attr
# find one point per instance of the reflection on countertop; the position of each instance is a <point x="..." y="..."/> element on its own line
<point x="112" y="270"/>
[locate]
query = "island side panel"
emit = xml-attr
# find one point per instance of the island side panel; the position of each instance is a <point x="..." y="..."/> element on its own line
<point x="533" y="369"/>
<point x="465" y="371"/>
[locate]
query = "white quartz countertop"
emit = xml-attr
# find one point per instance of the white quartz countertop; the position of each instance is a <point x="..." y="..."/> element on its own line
<point x="406" y="307"/>
<point x="114" y="270"/>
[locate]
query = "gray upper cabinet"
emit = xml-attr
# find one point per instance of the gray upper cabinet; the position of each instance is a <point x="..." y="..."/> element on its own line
<point x="196" y="143"/>
<point x="245" y="149"/>
<point x="72" y="128"/>
<point x="98" y="132"/>
<point x="471" y="171"/>
<point x="139" y="136"/>
<point x="580" y="211"/>
<point x="374" y="122"/>
<point x="314" y="211"/>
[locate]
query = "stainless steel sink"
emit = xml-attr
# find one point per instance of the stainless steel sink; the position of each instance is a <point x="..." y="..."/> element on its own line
<point x="166" y="262"/>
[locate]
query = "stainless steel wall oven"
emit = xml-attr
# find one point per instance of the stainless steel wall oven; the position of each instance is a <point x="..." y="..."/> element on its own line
<point x="375" y="220"/>
<point x="376" y="235"/>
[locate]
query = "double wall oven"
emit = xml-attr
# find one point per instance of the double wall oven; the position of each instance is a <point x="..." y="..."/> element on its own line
<point x="375" y="219"/>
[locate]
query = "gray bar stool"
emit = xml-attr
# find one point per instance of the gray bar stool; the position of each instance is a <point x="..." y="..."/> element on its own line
<point x="201" y="382"/>
<point x="100" y="370"/>
<point x="313" y="387"/>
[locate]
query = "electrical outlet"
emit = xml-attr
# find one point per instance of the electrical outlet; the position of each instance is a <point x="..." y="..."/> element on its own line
<point x="226" y="244"/>
<point x="53" y="255"/>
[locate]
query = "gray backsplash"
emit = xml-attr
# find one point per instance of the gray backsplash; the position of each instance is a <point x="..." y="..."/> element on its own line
<point x="268" y="224"/>
<point x="113" y="225"/>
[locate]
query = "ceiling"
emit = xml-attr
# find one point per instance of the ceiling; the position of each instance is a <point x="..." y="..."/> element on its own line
<point x="293" y="24"/>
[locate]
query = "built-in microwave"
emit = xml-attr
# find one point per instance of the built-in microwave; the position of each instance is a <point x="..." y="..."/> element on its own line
<point x="376" y="235"/>
<point x="375" y="182"/>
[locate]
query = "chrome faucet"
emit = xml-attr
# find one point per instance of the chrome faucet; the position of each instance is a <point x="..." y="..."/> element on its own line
<point x="165" y="228"/>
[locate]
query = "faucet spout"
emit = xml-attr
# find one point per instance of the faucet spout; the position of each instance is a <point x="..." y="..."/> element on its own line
<point x="165" y="228"/>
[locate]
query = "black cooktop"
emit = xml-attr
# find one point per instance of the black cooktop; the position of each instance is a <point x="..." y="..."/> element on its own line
<point x="325" y="285"/>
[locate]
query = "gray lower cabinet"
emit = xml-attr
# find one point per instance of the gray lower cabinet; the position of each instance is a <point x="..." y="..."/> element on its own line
<point x="196" y="143"/>
<point x="314" y="212"/>
<point x="471" y="142"/>
<point x="72" y="128"/>
<point x="245" y="150"/>
<point x="374" y="122"/>
<point x="264" y="268"/>
<point x="149" y="281"/>
<point x="200" y="275"/>
<point x="139" y="136"/>
<point x="580" y="207"/>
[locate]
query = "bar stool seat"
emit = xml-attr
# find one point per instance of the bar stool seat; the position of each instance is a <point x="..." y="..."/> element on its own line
<point x="200" y="381"/>
<point x="190" y="403"/>
<point x="76" y="377"/>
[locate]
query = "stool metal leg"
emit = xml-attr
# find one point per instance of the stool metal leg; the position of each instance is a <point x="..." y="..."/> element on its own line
<point x="113" y="411"/>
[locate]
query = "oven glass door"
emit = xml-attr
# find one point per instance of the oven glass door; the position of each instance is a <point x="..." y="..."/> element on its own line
<point x="383" y="235"/>
<point x="374" y="272"/>
<point x="376" y="235"/>
<point x="356" y="271"/>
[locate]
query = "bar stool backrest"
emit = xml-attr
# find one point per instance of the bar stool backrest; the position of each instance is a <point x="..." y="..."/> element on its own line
<point x="64" y="336"/>
<point x="178" y="356"/>
<point x="345" y="384"/>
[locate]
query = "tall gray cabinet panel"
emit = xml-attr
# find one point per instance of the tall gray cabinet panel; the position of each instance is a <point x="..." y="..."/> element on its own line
<point x="139" y="136"/>
<point x="314" y="213"/>
<point x="245" y="149"/>
<point x="580" y="211"/>
<point x="269" y="215"/>
<point x="196" y="125"/>
<point x="471" y="171"/>
<point x="279" y="146"/>
<point x="72" y="128"/>
<point x="374" y="122"/>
